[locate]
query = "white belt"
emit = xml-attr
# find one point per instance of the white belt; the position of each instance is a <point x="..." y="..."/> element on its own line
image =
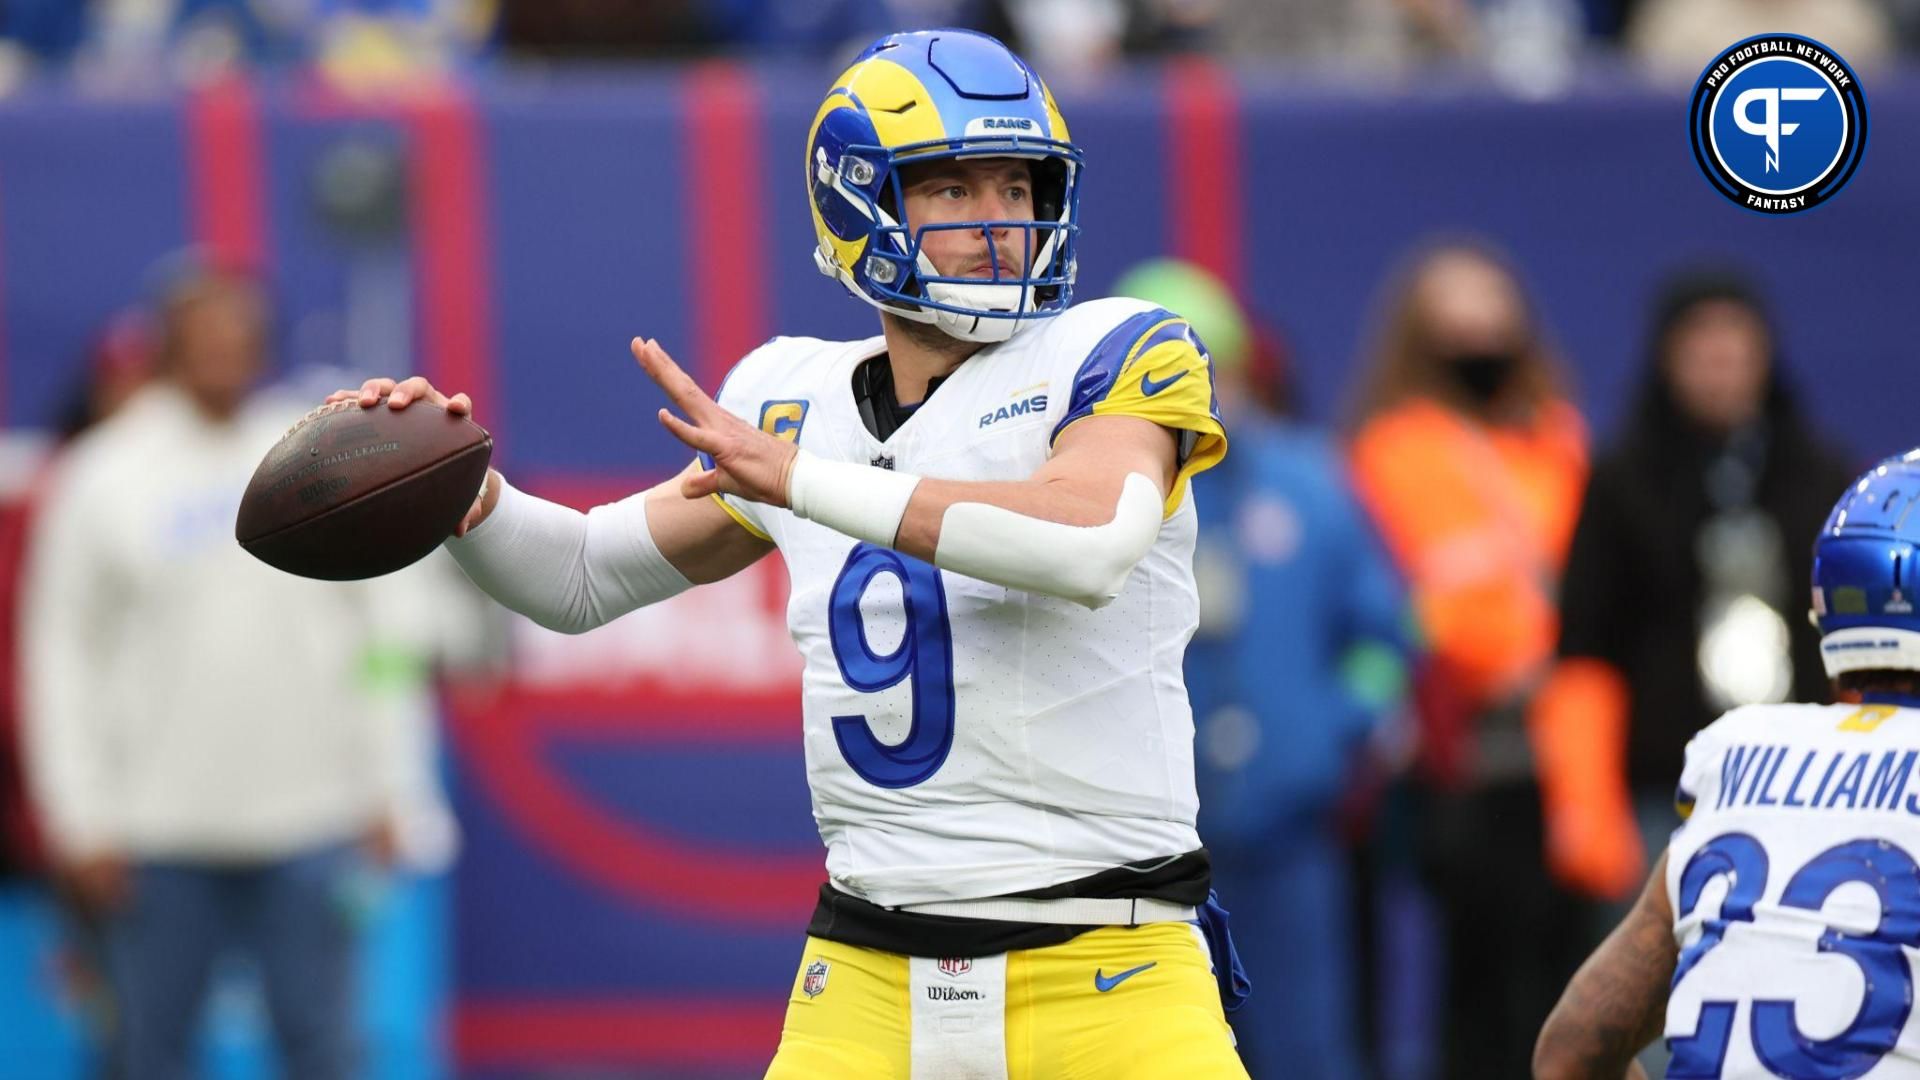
<point x="1065" y="912"/>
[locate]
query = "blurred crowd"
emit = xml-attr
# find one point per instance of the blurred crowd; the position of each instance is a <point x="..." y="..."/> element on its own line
<point x="1437" y="720"/>
<point x="1531" y="45"/>
<point x="210" y="763"/>
<point x="1451" y="653"/>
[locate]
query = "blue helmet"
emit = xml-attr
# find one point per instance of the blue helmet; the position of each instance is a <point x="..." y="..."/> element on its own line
<point x="1866" y="570"/>
<point x="927" y="96"/>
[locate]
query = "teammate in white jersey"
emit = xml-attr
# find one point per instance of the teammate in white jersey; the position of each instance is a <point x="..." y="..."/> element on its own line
<point x="985" y="516"/>
<point x="1778" y="934"/>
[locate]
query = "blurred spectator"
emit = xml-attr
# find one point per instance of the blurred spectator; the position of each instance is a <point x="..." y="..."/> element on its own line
<point x="1071" y="38"/>
<point x="1311" y="34"/>
<point x="116" y="365"/>
<point x="354" y="41"/>
<point x="20" y="845"/>
<point x="1696" y="506"/>
<point x="1905" y="15"/>
<point x="220" y="753"/>
<point x="119" y="364"/>
<point x="20" y="855"/>
<point x="838" y="28"/>
<point x="45" y="29"/>
<point x="1085" y="35"/>
<point x="817" y="28"/>
<point x="1297" y="594"/>
<point x="1471" y="460"/>
<point x="594" y="28"/>
<point x="374" y="44"/>
<point x="1530" y="46"/>
<point x="1676" y="38"/>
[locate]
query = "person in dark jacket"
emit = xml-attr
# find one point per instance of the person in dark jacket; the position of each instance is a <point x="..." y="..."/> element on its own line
<point x="1682" y="595"/>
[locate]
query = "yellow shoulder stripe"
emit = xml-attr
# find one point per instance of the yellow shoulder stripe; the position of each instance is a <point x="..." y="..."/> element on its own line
<point x="740" y="517"/>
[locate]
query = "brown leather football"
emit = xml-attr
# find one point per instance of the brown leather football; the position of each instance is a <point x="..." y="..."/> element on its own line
<point x="351" y="493"/>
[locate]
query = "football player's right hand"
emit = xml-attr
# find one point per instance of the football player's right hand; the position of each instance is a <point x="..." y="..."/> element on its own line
<point x="402" y="392"/>
<point x="399" y="395"/>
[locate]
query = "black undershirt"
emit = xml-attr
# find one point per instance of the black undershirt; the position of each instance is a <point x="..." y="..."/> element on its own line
<point x="880" y="408"/>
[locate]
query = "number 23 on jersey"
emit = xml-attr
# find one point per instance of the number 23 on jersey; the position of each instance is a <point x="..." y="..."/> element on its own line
<point x="1779" y="1042"/>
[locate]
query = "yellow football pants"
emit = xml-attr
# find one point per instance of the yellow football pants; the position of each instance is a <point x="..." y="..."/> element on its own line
<point x="1163" y="1022"/>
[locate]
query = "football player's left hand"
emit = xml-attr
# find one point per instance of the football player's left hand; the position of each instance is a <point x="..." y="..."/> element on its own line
<point x="747" y="462"/>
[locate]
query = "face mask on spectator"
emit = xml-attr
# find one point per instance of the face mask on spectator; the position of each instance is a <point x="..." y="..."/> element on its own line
<point x="1481" y="374"/>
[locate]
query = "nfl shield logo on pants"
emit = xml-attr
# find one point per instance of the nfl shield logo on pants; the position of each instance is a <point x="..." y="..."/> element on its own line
<point x="816" y="980"/>
<point x="955" y="966"/>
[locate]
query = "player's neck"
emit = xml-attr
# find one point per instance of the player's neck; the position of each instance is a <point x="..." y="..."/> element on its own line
<point x="918" y="354"/>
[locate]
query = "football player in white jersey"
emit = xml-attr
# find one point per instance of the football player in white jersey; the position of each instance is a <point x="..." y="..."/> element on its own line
<point x="1778" y="933"/>
<point x="984" y="513"/>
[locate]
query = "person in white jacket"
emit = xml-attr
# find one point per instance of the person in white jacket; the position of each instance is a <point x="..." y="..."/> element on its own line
<point x="215" y="748"/>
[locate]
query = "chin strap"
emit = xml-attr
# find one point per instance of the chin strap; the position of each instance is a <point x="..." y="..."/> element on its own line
<point x="1015" y="300"/>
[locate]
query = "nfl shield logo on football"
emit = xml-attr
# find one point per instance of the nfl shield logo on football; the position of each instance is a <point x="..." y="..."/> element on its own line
<point x="955" y="966"/>
<point x="816" y="981"/>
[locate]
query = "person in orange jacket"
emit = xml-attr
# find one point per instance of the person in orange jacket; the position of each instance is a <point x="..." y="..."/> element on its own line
<point x="1471" y="460"/>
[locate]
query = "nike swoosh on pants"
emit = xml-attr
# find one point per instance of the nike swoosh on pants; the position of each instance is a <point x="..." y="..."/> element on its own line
<point x="1103" y="983"/>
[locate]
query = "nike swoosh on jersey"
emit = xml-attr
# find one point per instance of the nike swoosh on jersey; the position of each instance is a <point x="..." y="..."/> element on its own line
<point x="1148" y="387"/>
<point x="1100" y="981"/>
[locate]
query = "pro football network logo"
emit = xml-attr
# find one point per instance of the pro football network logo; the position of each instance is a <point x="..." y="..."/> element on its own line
<point x="955" y="966"/>
<point x="1779" y="123"/>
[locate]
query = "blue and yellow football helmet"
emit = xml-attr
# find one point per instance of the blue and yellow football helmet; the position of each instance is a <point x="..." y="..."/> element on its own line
<point x="1866" y="569"/>
<point x="920" y="97"/>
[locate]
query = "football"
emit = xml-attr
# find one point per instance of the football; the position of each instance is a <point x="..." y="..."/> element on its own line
<point x="351" y="492"/>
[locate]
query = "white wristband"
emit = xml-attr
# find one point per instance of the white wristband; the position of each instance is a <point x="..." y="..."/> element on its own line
<point x="862" y="501"/>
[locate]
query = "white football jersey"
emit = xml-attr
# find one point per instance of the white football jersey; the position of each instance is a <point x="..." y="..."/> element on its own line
<point x="1796" y="895"/>
<point x="965" y="739"/>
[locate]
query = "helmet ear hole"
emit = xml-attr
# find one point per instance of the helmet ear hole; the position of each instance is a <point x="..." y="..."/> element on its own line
<point x="1049" y="189"/>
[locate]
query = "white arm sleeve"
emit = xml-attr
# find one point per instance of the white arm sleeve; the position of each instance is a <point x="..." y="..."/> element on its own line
<point x="1084" y="564"/>
<point x="566" y="570"/>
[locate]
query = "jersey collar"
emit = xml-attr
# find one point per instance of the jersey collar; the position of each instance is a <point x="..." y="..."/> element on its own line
<point x="1878" y="697"/>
